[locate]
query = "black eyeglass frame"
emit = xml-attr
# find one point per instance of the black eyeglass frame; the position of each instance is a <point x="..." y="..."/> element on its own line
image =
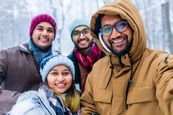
<point x="116" y="25"/>
<point x="79" y="32"/>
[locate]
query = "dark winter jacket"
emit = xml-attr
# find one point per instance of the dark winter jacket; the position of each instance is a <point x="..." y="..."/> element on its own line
<point x="18" y="69"/>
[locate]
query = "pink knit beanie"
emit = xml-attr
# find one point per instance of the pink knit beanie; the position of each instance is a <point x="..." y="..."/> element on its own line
<point x="41" y="18"/>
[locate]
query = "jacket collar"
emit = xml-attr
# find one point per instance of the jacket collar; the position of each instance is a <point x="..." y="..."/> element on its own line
<point x="24" y="48"/>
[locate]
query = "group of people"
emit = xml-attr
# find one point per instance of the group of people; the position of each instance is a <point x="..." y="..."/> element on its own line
<point x="109" y="72"/>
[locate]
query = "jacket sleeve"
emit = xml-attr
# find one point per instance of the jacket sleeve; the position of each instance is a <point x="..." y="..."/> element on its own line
<point x="87" y="101"/>
<point x="26" y="107"/>
<point x="3" y="65"/>
<point x="29" y="103"/>
<point x="164" y="85"/>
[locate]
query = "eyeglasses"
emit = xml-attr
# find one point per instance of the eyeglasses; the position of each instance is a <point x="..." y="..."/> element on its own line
<point x="77" y="33"/>
<point x="120" y="26"/>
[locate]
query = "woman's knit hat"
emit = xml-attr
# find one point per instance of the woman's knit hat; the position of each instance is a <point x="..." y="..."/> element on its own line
<point x="41" y="18"/>
<point x="50" y="62"/>
<point x="76" y="23"/>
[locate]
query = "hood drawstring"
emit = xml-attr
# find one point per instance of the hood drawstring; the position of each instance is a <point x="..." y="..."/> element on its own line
<point x="129" y="82"/>
<point x="112" y="67"/>
<point x="119" y="60"/>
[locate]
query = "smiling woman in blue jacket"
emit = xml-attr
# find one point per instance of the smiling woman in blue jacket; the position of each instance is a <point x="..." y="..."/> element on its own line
<point x="57" y="94"/>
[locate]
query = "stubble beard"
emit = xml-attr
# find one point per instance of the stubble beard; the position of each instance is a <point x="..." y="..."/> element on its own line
<point x="123" y="51"/>
<point x="84" y="48"/>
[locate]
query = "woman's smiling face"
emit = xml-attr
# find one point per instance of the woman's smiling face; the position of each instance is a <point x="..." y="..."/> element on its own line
<point x="60" y="79"/>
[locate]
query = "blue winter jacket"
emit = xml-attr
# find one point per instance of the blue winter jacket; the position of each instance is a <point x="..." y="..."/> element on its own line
<point x="36" y="103"/>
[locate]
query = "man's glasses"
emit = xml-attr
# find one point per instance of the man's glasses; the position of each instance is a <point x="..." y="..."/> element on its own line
<point x="120" y="26"/>
<point x="77" y="33"/>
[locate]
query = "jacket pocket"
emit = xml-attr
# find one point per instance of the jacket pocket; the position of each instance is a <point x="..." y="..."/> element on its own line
<point x="143" y="94"/>
<point x="103" y="96"/>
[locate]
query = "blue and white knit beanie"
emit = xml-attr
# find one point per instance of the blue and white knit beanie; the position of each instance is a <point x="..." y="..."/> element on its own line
<point x="50" y="62"/>
<point x="76" y="23"/>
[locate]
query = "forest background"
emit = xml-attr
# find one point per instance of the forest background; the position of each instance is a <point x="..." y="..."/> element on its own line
<point x="16" y="17"/>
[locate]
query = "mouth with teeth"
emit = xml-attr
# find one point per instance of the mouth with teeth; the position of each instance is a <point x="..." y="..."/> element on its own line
<point x="83" y="41"/>
<point x="60" y="85"/>
<point x="44" y="40"/>
<point x="118" y="42"/>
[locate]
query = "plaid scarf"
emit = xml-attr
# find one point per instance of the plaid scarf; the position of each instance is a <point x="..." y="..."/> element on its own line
<point x="56" y="101"/>
<point x="87" y="62"/>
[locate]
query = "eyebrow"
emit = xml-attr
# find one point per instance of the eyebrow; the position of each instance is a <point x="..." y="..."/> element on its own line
<point x="114" y="23"/>
<point x="82" y="29"/>
<point x="40" y="26"/>
<point x="43" y="27"/>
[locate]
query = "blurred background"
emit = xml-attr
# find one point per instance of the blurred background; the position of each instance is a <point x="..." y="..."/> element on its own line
<point x="16" y="17"/>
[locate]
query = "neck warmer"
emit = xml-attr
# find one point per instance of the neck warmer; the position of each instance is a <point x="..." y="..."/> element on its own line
<point x="37" y="53"/>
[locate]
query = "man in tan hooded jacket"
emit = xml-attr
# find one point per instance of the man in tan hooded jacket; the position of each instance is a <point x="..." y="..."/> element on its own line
<point x="132" y="79"/>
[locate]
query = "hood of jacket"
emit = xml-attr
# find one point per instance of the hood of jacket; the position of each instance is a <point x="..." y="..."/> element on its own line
<point x="127" y="11"/>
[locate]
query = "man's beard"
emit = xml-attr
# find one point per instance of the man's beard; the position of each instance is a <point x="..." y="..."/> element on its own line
<point x="84" y="48"/>
<point x="124" y="51"/>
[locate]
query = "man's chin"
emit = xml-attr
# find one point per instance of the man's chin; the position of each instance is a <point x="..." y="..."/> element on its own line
<point x="43" y="47"/>
<point x="118" y="52"/>
<point x="83" y="47"/>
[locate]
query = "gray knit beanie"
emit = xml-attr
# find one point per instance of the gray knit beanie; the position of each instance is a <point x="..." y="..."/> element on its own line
<point x="50" y="62"/>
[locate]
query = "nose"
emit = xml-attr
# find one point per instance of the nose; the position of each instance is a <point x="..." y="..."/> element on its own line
<point x="81" y="35"/>
<point x="45" y="32"/>
<point x="115" y="33"/>
<point x="60" y="78"/>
